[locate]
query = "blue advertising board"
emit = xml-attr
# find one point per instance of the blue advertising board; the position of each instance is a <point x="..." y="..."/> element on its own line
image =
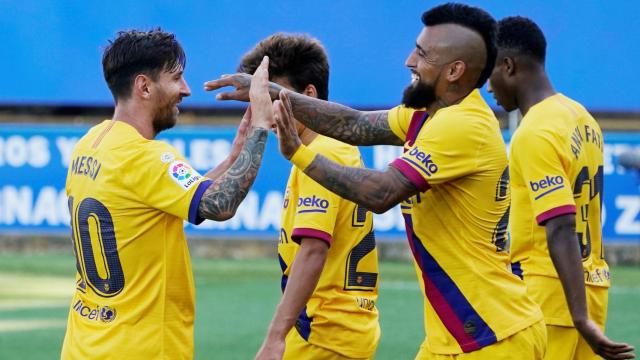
<point x="52" y="49"/>
<point x="34" y="161"/>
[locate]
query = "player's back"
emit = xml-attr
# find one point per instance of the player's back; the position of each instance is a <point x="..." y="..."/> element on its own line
<point x="134" y="293"/>
<point x="341" y="314"/>
<point x="563" y="176"/>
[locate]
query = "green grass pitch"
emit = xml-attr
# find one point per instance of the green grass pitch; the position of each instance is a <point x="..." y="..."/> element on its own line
<point x="235" y="302"/>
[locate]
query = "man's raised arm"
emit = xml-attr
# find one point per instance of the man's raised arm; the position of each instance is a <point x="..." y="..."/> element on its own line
<point x="331" y="119"/>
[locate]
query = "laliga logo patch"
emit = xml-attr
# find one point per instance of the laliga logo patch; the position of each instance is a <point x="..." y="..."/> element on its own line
<point x="183" y="174"/>
<point x="423" y="162"/>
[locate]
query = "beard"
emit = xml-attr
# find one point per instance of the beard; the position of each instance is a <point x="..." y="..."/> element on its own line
<point x="165" y="117"/>
<point x="419" y="95"/>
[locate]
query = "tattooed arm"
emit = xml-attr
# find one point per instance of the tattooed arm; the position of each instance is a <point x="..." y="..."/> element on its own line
<point x="221" y="200"/>
<point x="377" y="191"/>
<point x="343" y="123"/>
<point x="334" y="120"/>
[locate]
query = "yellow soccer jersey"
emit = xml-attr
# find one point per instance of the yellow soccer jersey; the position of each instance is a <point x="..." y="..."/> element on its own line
<point x="134" y="295"/>
<point x="457" y="226"/>
<point x="556" y="169"/>
<point x="341" y="315"/>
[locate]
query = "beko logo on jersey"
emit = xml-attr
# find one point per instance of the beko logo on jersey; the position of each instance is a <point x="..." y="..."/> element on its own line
<point x="424" y="161"/>
<point x="183" y="174"/>
<point x="319" y="204"/>
<point x="549" y="183"/>
<point x="105" y="314"/>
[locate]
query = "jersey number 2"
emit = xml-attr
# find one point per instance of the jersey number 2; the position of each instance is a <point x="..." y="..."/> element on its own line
<point x="354" y="279"/>
<point x="93" y="235"/>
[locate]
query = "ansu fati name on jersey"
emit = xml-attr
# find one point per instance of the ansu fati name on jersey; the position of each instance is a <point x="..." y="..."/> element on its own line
<point x="591" y="135"/>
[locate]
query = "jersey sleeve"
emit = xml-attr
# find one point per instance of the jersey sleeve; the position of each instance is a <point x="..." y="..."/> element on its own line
<point x="537" y="156"/>
<point x="316" y="213"/>
<point x="165" y="181"/>
<point x="445" y="150"/>
<point x="399" y="119"/>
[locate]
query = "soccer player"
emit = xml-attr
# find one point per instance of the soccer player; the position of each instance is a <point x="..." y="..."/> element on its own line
<point x="452" y="182"/>
<point x="556" y="177"/>
<point x="327" y="248"/>
<point x="128" y="197"/>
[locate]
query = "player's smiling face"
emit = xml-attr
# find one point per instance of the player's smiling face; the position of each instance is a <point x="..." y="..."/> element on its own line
<point x="171" y="87"/>
<point x="425" y="73"/>
<point x="500" y="82"/>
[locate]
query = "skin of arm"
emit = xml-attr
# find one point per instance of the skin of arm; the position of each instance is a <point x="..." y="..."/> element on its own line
<point x="236" y="147"/>
<point x="334" y="120"/>
<point x="377" y="191"/>
<point x="222" y="198"/>
<point x="565" y="253"/>
<point x="303" y="279"/>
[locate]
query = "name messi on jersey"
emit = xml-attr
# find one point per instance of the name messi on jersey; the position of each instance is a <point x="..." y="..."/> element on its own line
<point x="86" y="165"/>
<point x="591" y="136"/>
<point x="424" y="161"/>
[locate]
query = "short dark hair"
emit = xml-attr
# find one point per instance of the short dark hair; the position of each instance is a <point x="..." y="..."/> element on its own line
<point x="135" y="52"/>
<point x="300" y="58"/>
<point x="472" y="18"/>
<point x="523" y="36"/>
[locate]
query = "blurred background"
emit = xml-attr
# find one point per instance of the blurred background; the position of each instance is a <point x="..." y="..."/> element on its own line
<point x="52" y="91"/>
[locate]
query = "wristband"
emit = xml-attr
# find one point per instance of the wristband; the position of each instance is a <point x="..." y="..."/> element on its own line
<point x="303" y="157"/>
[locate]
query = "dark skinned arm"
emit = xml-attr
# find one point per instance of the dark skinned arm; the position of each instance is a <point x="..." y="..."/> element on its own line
<point x="565" y="254"/>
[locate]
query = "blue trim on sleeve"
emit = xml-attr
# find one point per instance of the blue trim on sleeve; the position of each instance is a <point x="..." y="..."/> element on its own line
<point x="194" y="218"/>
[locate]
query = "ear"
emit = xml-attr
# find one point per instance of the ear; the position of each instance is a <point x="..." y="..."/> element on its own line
<point x="142" y="86"/>
<point x="455" y="70"/>
<point x="311" y="91"/>
<point x="509" y="66"/>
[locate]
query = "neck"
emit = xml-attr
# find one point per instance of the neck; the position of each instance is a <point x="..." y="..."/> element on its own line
<point x="538" y="87"/>
<point x="449" y="98"/>
<point x="138" y="118"/>
<point x="307" y="135"/>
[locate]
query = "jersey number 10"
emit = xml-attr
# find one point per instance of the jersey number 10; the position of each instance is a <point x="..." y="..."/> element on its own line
<point x="93" y="236"/>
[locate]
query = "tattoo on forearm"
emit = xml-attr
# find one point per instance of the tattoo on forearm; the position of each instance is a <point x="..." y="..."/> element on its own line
<point x="375" y="190"/>
<point x="221" y="199"/>
<point x="343" y="123"/>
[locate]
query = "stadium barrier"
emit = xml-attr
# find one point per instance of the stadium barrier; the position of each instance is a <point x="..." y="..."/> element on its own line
<point x="34" y="159"/>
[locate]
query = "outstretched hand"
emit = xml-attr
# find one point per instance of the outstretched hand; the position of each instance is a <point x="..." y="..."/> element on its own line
<point x="262" y="113"/>
<point x="240" y="81"/>
<point x="286" y="126"/>
<point x="602" y="345"/>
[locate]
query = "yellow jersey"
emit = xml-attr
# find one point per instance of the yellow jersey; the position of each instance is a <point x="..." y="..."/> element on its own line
<point x="134" y="295"/>
<point x="556" y="168"/>
<point x="457" y="226"/>
<point x="341" y="314"/>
